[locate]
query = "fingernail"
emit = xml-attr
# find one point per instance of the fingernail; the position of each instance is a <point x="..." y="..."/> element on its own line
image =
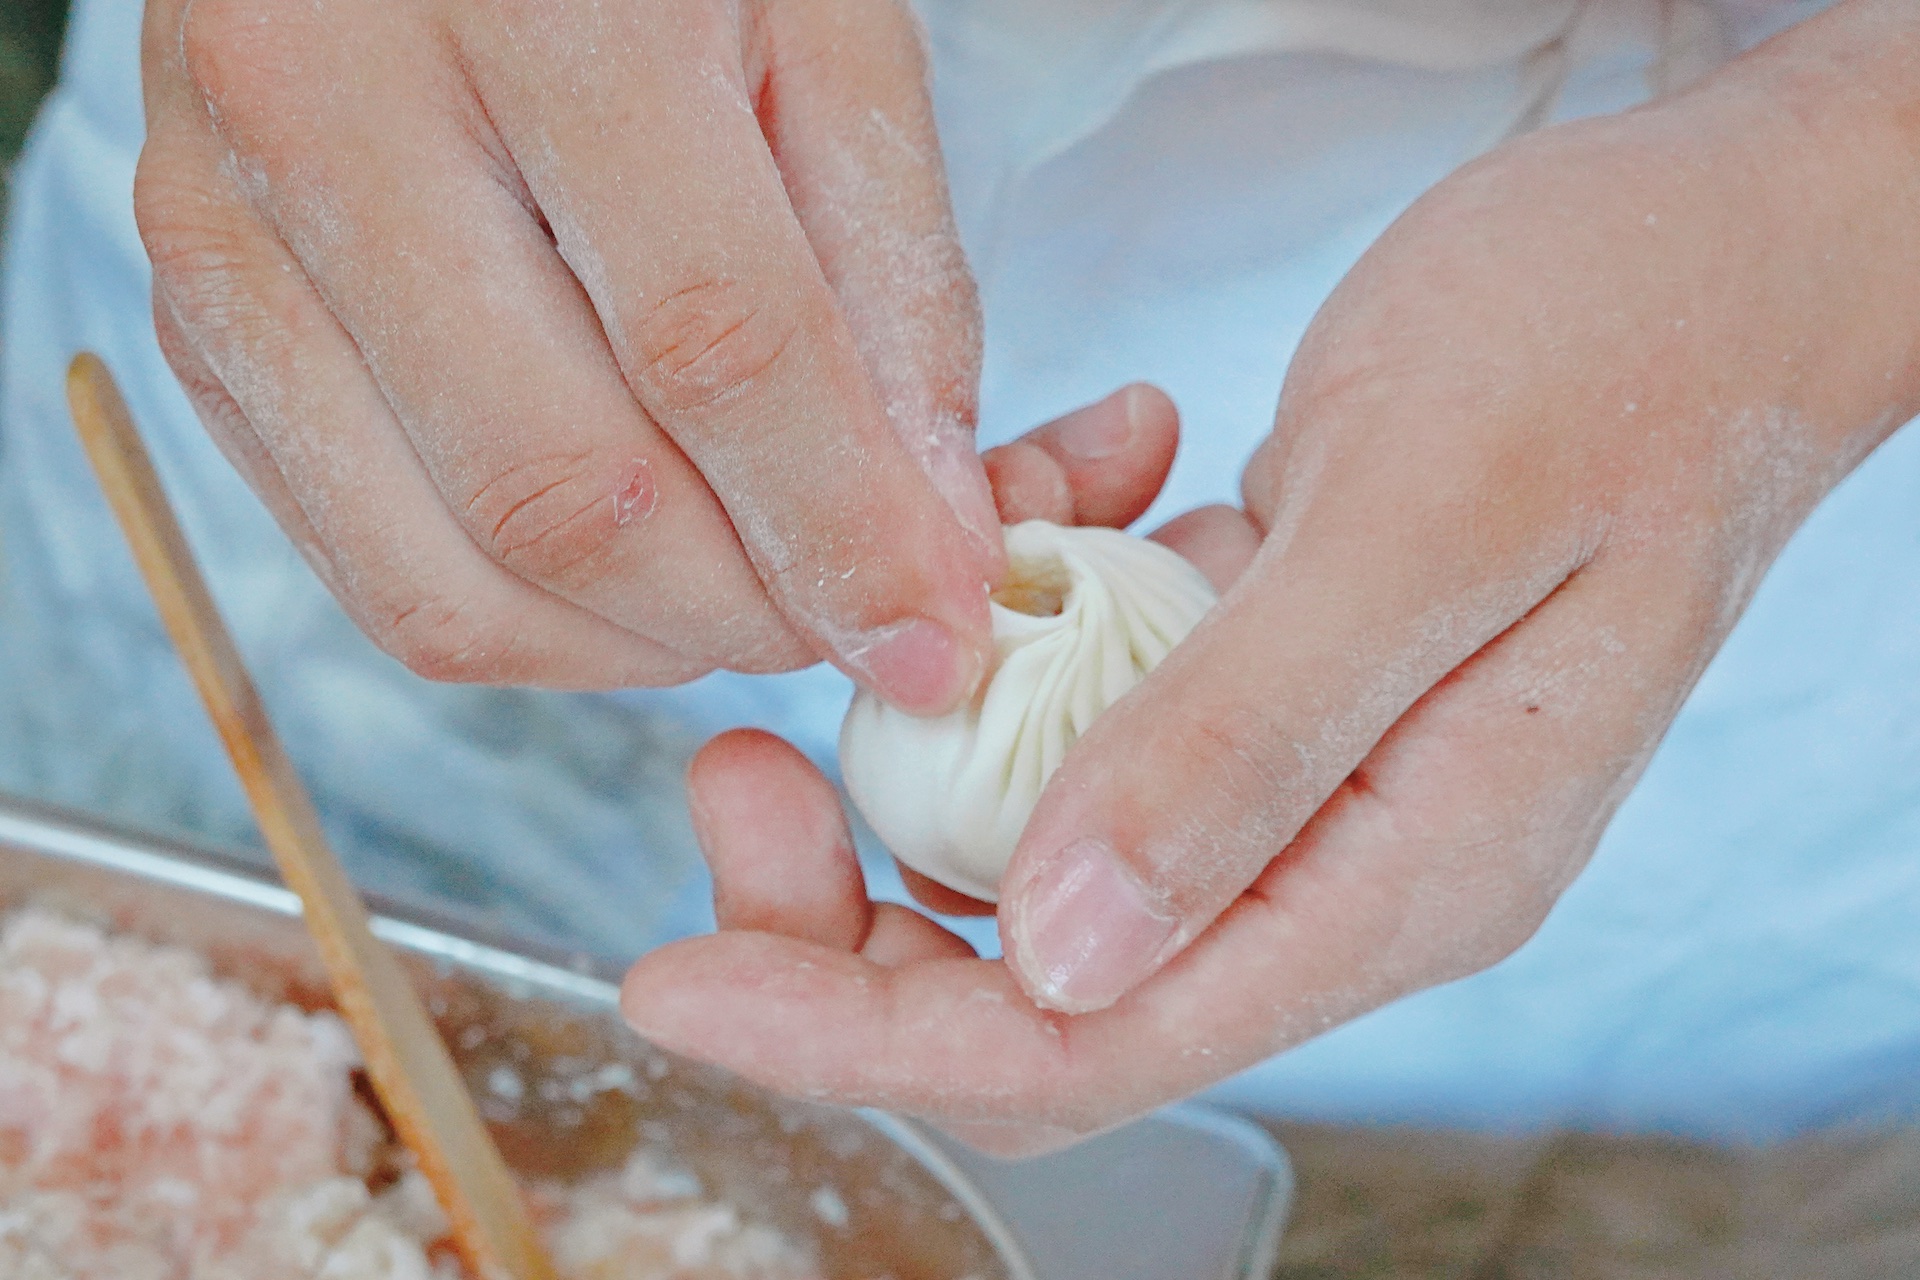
<point x="1101" y="430"/>
<point x="918" y="665"/>
<point x="1086" y="933"/>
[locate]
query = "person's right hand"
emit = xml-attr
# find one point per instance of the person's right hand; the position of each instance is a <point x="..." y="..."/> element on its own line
<point x="1531" y="460"/>
<point x="584" y="345"/>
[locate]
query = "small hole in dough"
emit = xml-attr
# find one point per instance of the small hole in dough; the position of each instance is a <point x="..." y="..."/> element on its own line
<point x="1035" y="587"/>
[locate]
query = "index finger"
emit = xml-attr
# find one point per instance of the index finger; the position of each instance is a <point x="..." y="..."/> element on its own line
<point x="639" y="142"/>
<point x="957" y="1042"/>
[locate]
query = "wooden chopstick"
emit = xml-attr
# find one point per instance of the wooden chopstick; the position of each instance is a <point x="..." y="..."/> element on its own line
<point x="405" y="1057"/>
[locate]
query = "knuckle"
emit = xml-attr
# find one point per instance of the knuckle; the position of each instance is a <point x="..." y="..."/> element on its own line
<point x="780" y="650"/>
<point x="262" y="70"/>
<point x="209" y="275"/>
<point x="1262" y="480"/>
<point x="1493" y="940"/>
<point x="716" y="338"/>
<point x="1248" y="797"/>
<point x="843" y="584"/>
<point x="198" y="255"/>
<point x="441" y="638"/>
<point x="550" y="519"/>
<point x="243" y="56"/>
<point x="222" y="416"/>
<point x="210" y="33"/>
<point x="1245" y="752"/>
<point x="1491" y="908"/>
<point x="170" y="211"/>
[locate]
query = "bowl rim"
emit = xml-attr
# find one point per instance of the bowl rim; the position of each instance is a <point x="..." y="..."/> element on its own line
<point x="586" y="982"/>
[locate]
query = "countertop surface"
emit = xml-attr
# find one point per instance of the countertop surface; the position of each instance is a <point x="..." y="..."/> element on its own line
<point x="1437" y="1206"/>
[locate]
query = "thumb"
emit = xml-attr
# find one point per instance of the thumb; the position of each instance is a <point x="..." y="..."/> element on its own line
<point x="1183" y="792"/>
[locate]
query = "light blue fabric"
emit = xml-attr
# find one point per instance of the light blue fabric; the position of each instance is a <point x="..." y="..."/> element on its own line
<point x="1740" y="960"/>
<point x="563" y="816"/>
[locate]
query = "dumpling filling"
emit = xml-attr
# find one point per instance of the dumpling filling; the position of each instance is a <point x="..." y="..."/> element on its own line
<point x="1084" y="615"/>
<point x="157" y="1123"/>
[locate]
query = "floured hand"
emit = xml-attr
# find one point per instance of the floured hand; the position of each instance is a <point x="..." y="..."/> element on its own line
<point x="1531" y="461"/>
<point x="584" y="345"/>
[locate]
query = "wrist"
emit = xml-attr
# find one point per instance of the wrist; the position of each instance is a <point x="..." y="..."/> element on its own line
<point x="1823" y="124"/>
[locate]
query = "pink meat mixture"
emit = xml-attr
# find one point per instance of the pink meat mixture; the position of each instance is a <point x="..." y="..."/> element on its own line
<point x="157" y="1123"/>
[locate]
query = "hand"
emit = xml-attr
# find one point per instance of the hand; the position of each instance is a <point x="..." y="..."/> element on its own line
<point x="798" y="930"/>
<point x="1530" y="463"/>
<point x="584" y="345"/>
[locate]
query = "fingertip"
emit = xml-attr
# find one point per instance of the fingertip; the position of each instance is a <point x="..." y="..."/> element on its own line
<point x="1082" y="931"/>
<point x="936" y="897"/>
<point x="1218" y="540"/>
<point x="657" y="1005"/>
<point x="919" y="665"/>
<point x="726" y="750"/>
<point x="1138" y="421"/>
<point x="1028" y="484"/>
<point x="1154" y="417"/>
<point x="719" y="767"/>
<point x="1112" y="456"/>
<point x="777" y="842"/>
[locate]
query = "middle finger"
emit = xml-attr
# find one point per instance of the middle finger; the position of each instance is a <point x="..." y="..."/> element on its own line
<point x="637" y="134"/>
